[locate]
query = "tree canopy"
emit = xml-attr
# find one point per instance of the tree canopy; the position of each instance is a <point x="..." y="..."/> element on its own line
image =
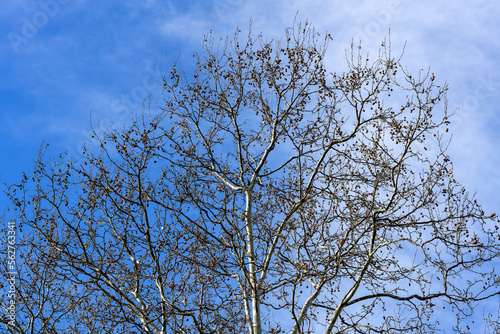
<point x="264" y="194"/>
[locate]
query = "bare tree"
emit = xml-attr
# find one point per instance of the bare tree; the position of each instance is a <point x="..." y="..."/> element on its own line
<point x="266" y="195"/>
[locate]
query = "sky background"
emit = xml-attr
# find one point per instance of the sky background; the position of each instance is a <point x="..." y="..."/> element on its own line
<point x="63" y="60"/>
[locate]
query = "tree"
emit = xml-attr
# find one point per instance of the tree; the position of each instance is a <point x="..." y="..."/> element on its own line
<point x="266" y="195"/>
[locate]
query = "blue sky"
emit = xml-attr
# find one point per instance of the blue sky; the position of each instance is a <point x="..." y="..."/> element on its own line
<point x="61" y="60"/>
